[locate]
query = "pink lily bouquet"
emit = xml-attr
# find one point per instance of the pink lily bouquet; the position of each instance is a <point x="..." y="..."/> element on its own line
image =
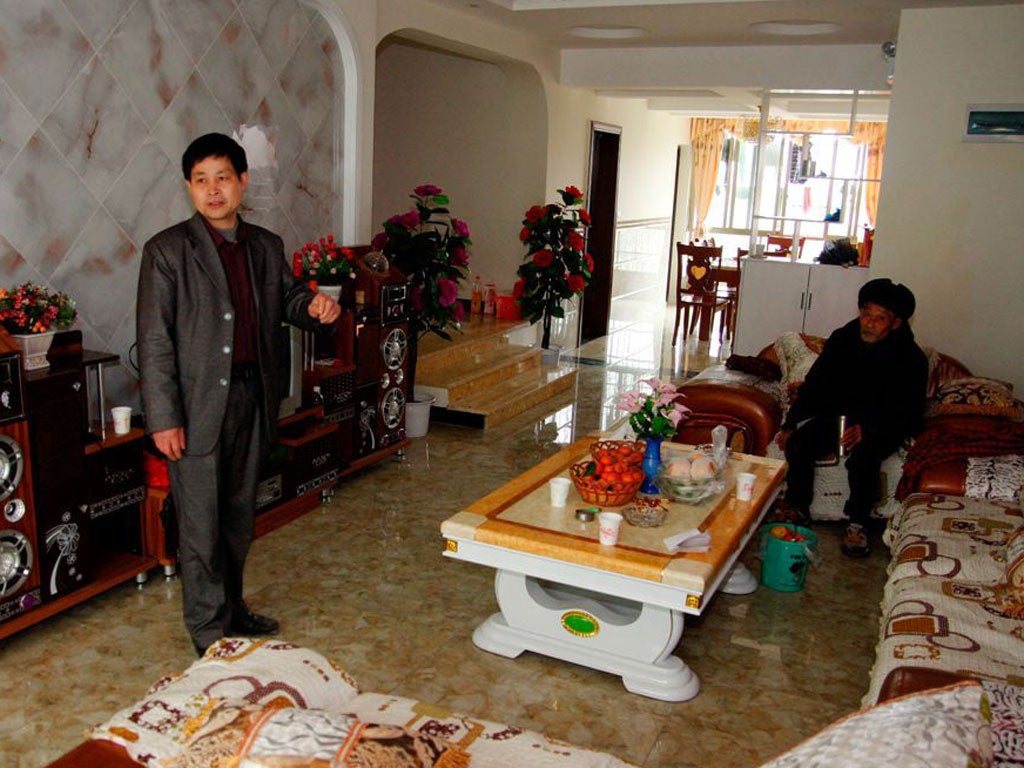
<point x="655" y="414"/>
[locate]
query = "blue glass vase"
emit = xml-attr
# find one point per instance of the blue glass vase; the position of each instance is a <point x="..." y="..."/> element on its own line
<point x="651" y="464"/>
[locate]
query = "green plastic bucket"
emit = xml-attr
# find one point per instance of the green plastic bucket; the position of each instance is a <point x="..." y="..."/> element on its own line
<point x="784" y="563"/>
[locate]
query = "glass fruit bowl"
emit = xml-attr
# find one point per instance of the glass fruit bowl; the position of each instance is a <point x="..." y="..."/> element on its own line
<point x="690" y="479"/>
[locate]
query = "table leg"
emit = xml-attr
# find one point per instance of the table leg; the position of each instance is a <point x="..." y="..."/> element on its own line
<point x="740" y="581"/>
<point x="707" y="313"/>
<point x="623" y="637"/>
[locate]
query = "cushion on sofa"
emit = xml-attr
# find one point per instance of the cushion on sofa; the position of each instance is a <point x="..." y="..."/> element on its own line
<point x="950" y="537"/>
<point x="758" y="366"/>
<point x="938" y="728"/>
<point x="1015" y="559"/>
<point x="975" y="396"/>
<point x="196" y="717"/>
<point x="254" y="671"/>
<point x="271" y="736"/>
<point x="995" y="477"/>
<point x="796" y="353"/>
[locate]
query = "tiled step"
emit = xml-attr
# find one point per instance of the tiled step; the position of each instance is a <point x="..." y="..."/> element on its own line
<point x="436" y="354"/>
<point x="489" y="406"/>
<point x="480" y="378"/>
<point x="479" y="369"/>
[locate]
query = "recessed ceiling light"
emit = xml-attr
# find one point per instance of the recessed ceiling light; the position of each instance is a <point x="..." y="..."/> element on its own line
<point x="796" y="27"/>
<point x="608" y="33"/>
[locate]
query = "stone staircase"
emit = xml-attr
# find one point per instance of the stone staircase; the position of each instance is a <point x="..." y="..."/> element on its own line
<point x="482" y="378"/>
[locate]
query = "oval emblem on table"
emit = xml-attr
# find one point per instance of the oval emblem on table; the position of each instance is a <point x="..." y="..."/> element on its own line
<point x="580" y="623"/>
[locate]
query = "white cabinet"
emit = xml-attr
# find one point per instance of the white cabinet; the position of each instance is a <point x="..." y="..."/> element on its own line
<point x="778" y="296"/>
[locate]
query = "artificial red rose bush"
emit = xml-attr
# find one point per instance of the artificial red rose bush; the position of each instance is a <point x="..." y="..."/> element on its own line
<point x="556" y="266"/>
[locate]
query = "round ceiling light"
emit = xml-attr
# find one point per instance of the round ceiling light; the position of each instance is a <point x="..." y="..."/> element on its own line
<point x="607" y="33"/>
<point x="796" y="27"/>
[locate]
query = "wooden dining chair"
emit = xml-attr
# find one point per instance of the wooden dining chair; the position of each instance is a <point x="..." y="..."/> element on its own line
<point x="780" y="244"/>
<point x="727" y="280"/>
<point x="696" y="289"/>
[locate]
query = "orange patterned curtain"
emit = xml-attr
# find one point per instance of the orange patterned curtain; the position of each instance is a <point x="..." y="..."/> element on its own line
<point x="706" y="137"/>
<point x="874" y="137"/>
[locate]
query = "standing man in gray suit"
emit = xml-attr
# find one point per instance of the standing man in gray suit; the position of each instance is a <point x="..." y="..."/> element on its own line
<point x="213" y="293"/>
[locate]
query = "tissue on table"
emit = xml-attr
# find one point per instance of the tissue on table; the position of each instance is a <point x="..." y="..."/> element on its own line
<point x="689" y="541"/>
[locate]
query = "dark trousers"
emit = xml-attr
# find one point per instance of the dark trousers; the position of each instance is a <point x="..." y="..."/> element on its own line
<point x="215" y="496"/>
<point x="818" y="437"/>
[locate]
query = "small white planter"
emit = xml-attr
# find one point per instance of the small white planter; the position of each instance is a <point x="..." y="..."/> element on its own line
<point x="417" y="415"/>
<point x="551" y="355"/>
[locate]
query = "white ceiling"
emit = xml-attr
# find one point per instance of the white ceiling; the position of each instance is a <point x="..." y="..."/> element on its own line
<point x="700" y="22"/>
<point x="690" y="24"/>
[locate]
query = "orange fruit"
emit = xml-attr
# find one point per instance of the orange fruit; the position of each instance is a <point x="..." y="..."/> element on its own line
<point x="780" y="532"/>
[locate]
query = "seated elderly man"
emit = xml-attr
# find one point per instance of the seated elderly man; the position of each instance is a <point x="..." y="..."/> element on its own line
<point x="872" y="373"/>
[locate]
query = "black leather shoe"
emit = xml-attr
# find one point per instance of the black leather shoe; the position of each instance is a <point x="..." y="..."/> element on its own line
<point x="248" y="623"/>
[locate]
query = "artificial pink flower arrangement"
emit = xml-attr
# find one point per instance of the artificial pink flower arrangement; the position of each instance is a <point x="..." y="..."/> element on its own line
<point x="654" y="414"/>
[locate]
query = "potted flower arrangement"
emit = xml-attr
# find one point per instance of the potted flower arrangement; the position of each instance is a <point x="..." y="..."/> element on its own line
<point x="429" y="246"/>
<point x="557" y="265"/>
<point x="32" y="314"/>
<point x="653" y="416"/>
<point x="324" y="263"/>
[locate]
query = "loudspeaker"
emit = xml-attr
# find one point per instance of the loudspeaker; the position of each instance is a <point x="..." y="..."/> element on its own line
<point x="383" y="360"/>
<point x="55" y="404"/>
<point x="116" y="489"/>
<point x="19" y="560"/>
<point x="313" y="457"/>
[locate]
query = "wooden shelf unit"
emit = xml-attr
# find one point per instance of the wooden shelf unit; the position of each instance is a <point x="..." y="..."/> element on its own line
<point x="112" y="570"/>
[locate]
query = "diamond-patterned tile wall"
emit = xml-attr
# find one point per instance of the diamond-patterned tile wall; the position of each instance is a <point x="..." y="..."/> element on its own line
<point x="99" y="98"/>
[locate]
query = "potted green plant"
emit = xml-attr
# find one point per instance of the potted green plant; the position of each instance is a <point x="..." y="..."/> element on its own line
<point x="429" y="246"/>
<point x="32" y="314"/>
<point x="557" y="265"/>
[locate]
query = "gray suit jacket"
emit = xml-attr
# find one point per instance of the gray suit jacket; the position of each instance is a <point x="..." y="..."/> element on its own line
<point x="185" y="326"/>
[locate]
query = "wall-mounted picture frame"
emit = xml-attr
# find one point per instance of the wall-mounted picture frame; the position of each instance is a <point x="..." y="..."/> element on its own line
<point x="995" y="122"/>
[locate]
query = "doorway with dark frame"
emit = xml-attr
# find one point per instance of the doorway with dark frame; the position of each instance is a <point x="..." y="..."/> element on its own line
<point x="601" y="190"/>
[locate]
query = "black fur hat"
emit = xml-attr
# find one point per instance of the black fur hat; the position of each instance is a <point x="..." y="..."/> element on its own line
<point x="895" y="297"/>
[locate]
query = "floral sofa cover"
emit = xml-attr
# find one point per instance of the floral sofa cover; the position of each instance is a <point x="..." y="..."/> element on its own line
<point x="954" y="597"/>
<point x="255" y="703"/>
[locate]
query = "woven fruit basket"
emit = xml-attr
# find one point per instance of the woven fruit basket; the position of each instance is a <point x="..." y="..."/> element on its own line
<point x="629" y="452"/>
<point x="595" y="490"/>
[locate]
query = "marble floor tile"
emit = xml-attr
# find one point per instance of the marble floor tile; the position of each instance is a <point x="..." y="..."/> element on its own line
<point x="362" y="580"/>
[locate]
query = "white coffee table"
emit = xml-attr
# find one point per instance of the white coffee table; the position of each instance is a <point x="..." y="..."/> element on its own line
<point x="616" y="608"/>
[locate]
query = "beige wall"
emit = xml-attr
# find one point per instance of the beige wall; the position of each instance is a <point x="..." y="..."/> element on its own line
<point x="478" y="112"/>
<point x="950" y="221"/>
<point x="476" y="129"/>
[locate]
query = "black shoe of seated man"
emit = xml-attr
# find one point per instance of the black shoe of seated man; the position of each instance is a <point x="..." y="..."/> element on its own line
<point x="247" y="623"/>
<point x="855" y="541"/>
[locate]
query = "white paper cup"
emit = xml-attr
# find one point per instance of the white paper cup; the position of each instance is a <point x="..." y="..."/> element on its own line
<point x="745" y="485"/>
<point x="559" y="487"/>
<point x="608" y="524"/>
<point x="122" y="416"/>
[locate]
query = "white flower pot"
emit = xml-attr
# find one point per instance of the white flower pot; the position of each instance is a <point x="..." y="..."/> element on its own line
<point x="34" y="347"/>
<point x="551" y="355"/>
<point x="417" y="415"/>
